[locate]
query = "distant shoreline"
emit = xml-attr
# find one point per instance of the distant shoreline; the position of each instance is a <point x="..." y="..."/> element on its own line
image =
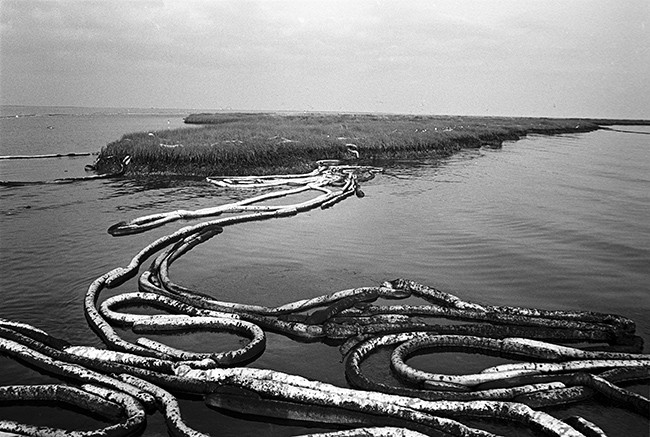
<point x="275" y="142"/>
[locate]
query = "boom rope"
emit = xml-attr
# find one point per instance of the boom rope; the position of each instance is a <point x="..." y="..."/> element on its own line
<point x="129" y="379"/>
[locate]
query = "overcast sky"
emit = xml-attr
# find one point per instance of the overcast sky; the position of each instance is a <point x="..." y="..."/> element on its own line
<point x="563" y="58"/>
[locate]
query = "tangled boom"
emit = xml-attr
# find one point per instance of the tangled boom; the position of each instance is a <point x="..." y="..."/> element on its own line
<point x="123" y="383"/>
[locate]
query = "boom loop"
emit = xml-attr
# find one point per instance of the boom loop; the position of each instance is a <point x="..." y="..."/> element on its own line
<point x="126" y="381"/>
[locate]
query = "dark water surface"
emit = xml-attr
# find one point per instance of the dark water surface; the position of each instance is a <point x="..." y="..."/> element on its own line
<point x="550" y="222"/>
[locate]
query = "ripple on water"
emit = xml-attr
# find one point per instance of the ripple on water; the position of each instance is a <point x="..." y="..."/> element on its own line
<point x="548" y="222"/>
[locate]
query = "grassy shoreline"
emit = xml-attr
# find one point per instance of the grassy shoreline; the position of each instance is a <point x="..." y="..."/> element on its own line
<point x="266" y="143"/>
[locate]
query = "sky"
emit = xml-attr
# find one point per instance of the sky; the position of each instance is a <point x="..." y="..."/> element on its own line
<point x="578" y="58"/>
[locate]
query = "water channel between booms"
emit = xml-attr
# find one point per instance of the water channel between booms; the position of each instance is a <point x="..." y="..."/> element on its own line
<point x="548" y="222"/>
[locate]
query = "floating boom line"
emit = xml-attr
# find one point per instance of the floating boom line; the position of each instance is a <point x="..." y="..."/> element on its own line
<point x="48" y="155"/>
<point x="130" y="379"/>
<point x="122" y="166"/>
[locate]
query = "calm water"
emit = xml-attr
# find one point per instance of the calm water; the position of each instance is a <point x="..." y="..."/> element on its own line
<point x="552" y="222"/>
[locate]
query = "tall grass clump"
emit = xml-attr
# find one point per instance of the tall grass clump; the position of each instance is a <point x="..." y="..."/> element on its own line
<point x="263" y="143"/>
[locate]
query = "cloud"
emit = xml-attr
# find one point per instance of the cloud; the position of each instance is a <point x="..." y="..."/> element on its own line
<point x="209" y="33"/>
<point x="432" y="56"/>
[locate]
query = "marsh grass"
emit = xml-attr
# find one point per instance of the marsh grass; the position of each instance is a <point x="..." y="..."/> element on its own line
<point x="263" y="143"/>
